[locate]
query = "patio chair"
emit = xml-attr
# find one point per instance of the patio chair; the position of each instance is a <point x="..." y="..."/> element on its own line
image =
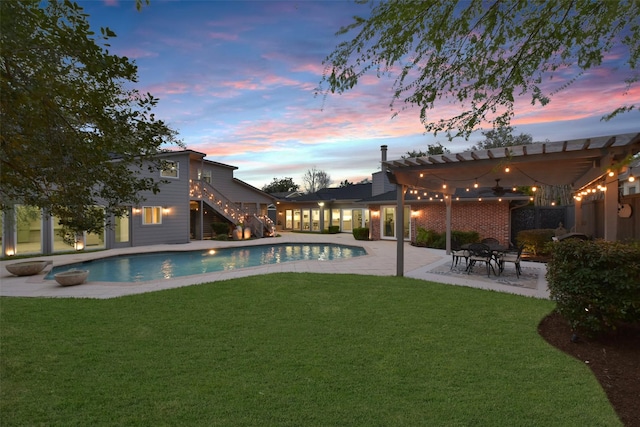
<point x="457" y="252"/>
<point x="490" y="241"/>
<point x="513" y="257"/>
<point x="479" y="252"/>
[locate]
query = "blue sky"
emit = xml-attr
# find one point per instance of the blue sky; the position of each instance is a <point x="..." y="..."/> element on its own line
<point x="236" y="79"/>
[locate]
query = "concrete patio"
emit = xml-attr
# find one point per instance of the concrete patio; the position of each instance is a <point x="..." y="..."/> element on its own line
<point x="419" y="263"/>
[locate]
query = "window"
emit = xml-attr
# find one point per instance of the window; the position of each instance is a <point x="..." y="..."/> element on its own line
<point x="170" y="169"/>
<point x="315" y="219"/>
<point x="288" y="221"/>
<point x="152" y="215"/>
<point x="296" y="219"/>
<point x="204" y="175"/>
<point x="122" y="228"/>
<point x="335" y="217"/>
<point x="305" y="219"/>
<point x="346" y="220"/>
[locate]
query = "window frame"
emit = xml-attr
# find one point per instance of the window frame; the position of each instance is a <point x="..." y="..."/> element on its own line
<point x="159" y="215"/>
<point x="167" y="168"/>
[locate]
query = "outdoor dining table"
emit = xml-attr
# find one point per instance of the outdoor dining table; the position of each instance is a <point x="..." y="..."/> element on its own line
<point x="496" y="250"/>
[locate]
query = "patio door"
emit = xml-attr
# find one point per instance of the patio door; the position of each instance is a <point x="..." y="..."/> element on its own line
<point x="388" y="222"/>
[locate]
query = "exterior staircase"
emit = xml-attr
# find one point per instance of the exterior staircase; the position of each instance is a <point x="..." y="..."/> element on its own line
<point x="261" y="226"/>
<point x="202" y="190"/>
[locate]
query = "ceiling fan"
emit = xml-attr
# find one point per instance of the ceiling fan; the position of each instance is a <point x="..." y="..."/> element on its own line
<point x="498" y="190"/>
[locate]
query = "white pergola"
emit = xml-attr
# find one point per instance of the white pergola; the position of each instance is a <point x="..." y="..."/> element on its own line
<point x="580" y="163"/>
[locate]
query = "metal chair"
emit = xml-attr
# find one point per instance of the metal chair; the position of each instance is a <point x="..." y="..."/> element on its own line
<point x="490" y="241"/>
<point x="457" y="252"/>
<point x="513" y="257"/>
<point x="479" y="252"/>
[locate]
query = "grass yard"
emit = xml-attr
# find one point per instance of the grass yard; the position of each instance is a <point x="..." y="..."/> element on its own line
<point x="292" y="350"/>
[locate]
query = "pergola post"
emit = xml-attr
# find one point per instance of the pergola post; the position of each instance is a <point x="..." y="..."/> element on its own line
<point x="577" y="216"/>
<point x="447" y="202"/>
<point x="611" y="208"/>
<point x="400" y="189"/>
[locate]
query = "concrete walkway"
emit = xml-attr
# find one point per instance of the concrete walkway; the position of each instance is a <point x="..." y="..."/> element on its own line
<point x="380" y="261"/>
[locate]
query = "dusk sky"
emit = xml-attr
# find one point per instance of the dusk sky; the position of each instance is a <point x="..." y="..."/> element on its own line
<point x="237" y="80"/>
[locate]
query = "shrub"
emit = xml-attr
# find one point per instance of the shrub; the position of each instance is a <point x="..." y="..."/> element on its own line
<point x="334" y="229"/>
<point x="220" y="228"/>
<point x="535" y="241"/>
<point x="464" y="237"/>
<point x="425" y="237"/>
<point x="361" y="233"/>
<point x="433" y="239"/>
<point x="596" y="284"/>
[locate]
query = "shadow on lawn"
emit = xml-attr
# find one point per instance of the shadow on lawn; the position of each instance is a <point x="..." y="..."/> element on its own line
<point x="614" y="359"/>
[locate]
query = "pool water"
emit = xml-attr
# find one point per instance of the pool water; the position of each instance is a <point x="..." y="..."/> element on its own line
<point x="167" y="265"/>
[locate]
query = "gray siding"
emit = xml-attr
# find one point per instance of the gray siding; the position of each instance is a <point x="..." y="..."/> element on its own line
<point x="381" y="184"/>
<point x="173" y="196"/>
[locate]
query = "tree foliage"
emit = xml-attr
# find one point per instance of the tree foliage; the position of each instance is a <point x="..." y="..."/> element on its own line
<point x="432" y="150"/>
<point x="75" y="133"/>
<point x="315" y="179"/>
<point x="280" y="186"/>
<point x="345" y="183"/>
<point x="481" y="54"/>
<point x="502" y="137"/>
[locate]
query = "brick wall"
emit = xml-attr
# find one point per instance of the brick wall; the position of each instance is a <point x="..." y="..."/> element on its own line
<point x="488" y="218"/>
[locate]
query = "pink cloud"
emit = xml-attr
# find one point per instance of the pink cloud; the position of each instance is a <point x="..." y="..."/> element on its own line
<point x="310" y="67"/>
<point x="241" y="85"/>
<point x="222" y="36"/>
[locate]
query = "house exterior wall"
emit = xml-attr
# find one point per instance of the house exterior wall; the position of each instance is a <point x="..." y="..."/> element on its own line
<point x="282" y="206"/>
<point x="174" y="199"/>
<point x="380" y="184"/>
<point x="488" y="218"/>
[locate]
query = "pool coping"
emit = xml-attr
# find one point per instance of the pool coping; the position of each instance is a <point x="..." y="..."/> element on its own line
<point x="380" y="260"/>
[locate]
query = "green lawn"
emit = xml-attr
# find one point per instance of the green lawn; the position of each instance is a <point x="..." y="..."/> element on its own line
<point x="292" y="350"/>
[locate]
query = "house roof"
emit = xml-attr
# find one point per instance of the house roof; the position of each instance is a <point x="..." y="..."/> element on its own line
<point x="286" y="194"/>
<point x="348" y="193"/>
<point x="577" y="163"/>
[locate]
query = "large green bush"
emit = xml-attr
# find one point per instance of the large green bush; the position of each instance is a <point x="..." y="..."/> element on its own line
<point x="535" y="241"/>
<point x="361" y="233"/>
<point x="433" y="239"/>
<point x="596" y="284"/>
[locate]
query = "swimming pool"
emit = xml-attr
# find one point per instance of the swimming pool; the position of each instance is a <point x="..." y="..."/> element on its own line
<point x="168" y="265"/>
